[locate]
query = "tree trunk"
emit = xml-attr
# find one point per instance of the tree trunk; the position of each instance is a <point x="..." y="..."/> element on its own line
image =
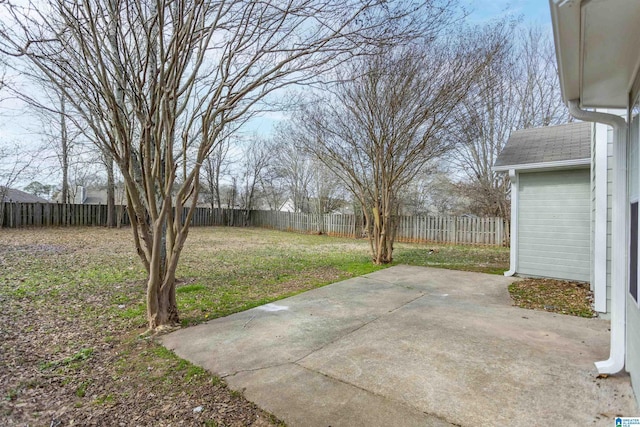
<point x="64" y="145"/>
<point x="111" y="194"/>
<point x="217" y="186"/>
<point x="119" y="91"/>
<point x="162" y="307"/>
<point x="381" y="228"/>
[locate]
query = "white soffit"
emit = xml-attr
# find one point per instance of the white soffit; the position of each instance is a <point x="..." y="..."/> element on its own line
<point x="610" y="51"/>
<point x="598" y="49"/>
<point x="565" y="19"/>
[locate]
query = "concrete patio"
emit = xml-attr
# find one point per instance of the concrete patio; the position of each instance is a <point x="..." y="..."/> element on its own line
<point x="412" y="346"/>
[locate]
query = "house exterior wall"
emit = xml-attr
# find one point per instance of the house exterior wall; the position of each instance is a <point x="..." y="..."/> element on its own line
<point x="609" y="211"/>
<point x="632" y="362"/>
<point x="603" y="134"/>
<point x="632" y="359"/>
<point x="601" y="191"/>
<point x="584" y="38"/>
<point x="592" y="183"/>
<point x="554" y="223"/>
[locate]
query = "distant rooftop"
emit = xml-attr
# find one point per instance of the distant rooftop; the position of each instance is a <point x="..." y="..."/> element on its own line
<point x="17" y="196"/>
<point x="550" y="144"/>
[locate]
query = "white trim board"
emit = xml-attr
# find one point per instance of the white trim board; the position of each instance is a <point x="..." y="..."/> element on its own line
<point x="600" y="222"/>
<point x="542" y="166"/>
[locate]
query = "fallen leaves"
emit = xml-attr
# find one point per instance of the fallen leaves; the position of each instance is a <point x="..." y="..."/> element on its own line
<point x="69" y="347"/>
<point x="557" y="296"/>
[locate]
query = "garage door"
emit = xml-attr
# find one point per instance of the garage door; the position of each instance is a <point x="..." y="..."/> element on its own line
<point x="554" y="218"/>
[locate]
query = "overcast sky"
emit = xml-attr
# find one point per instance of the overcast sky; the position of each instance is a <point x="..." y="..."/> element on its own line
<point x="534" y="12"/>
<point x="19" y="125"/>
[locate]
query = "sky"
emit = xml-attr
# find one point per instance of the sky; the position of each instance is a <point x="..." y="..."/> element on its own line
<point x="533" y="11"/>
<point x="20" y="126"/>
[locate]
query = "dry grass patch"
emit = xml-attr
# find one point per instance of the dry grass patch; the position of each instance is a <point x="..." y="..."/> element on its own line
<point x="73" y="309"/>
<point x="481" y="259"/>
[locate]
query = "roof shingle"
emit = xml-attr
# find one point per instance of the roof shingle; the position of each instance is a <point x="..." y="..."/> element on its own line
<point x="571" y="141"/>
<point x="17" y="196"/>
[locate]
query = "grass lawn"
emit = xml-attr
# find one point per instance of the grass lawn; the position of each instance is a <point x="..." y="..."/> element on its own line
<point x="72" y="310"/>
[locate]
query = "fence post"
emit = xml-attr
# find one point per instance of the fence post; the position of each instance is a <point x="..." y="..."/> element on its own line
<point x="440" y="229"/>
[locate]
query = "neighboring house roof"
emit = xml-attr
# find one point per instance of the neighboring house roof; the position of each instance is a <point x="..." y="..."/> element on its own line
<point x="92" y="196"/>
<point x="17" y="196"/>
<point x="547" y="147"/>
<point x="95" y="197"/>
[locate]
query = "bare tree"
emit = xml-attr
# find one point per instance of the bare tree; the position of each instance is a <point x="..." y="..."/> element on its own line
<point x="158" y="82"/>
<point x="536" y="80"/>
<point x="229" y="194"/>
<point x="65" y="146"/>
<point x="214" y="168"/>
<point x="518" y="90"/>
<point x="490" y="114"/>
<point x="272" y="188"/>
<point x="294" y="168"/>
<point x="14" y="163"/>
<point x="394" y="114"/>
<point x="426" y="194"/>
<point x="328" y="191"/>
<point x="295" y="179"/>
<point x="65" y="132"/>
<point x="58" y="132"/>
<point x="14" y="159"/>
<point x="256" y="157"/>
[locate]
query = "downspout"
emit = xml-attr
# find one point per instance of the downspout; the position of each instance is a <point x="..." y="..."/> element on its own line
<point x="615" y="363"/>
<point x="513" y="239"/>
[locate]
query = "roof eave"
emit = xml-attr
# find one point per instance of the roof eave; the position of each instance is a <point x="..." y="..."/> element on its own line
<point x="542" y="166"/>
<point x="596" y="50"/>
<point x="559" y="52"/>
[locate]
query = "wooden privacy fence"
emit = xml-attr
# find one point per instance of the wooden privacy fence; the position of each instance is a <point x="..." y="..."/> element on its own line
<point x="453" y="229"/>
<point x="331" y="224"/>
<point x="436" y="229"/>
<point x="16" y="215"/>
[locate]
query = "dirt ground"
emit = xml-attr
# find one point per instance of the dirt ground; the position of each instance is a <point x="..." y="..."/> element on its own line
<point x="67" y="357"/>
<point x="558" y="296"/>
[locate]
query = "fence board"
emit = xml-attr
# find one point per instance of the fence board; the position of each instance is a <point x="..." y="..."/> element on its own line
<point x="437" y="229"/>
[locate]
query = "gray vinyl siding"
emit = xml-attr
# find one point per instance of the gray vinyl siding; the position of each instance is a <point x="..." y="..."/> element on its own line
<point x="632" y="361"/>
<point x="554" y="224"/>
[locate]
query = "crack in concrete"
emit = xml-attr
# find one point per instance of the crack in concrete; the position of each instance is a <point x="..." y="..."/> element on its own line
<point x="347" y="383"/>
<point x="383" y="397"/>
<point x="242" y="371"/>
<point x="323" y="346"/>
<point x="389" y="283"/>
<point x="431" y="291"/>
